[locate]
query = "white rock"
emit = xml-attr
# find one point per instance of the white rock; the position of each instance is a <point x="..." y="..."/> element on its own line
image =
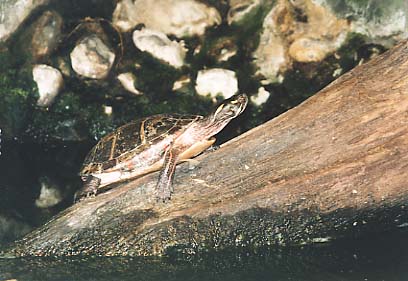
<point x="13" y="13"/>
<point x="160" y="46"/>
<point x="217" y="81"/>
<point x="49" y="82"/>
<point x="286" y="38"/>
<point x="92" y="58"/>
<point x="261" y="97"/>
<point x="108" y="110"/>
<point x="323" y="34"/>
<point x="271" y="57"/>
<point x="128" y="82"/>
<point x="241" y="9"/>
<point x="181" y="83"/>
<point x="124" y="16"/>
<point x="182" y="18"/>
<point x="50" y="195"/>
<point x="226" y="54"/>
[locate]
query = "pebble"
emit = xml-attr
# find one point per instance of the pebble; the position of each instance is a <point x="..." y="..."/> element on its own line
<point x="49" y="82"/>
<point x="160" y="46"/>
<point x="182" y="18"/>
<point x="91" y="58"/>
<point x="217" y="81"/>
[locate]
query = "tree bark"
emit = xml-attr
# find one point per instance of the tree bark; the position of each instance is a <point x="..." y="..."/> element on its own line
<point x="334" y="166"/>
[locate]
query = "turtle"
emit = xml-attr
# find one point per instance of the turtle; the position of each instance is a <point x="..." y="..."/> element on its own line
<point x="154" y="143"/>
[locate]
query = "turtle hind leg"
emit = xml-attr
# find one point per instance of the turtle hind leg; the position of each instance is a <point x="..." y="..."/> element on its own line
<point x="89" y="188"/>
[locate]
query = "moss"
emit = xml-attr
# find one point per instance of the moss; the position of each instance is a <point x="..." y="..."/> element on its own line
<point x="69" y="119"/>
<point x="134" y="108"/>
<point x="17" y="96"/>
<point x="371" y="10"/>
<point x="156" y="78"/>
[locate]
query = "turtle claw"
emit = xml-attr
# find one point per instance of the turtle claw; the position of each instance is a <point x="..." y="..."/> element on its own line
<point x="163" y="193"/>
<point x="213" y="148"/>
<point x="90" y="189"/>
<point x="78" y="197"/>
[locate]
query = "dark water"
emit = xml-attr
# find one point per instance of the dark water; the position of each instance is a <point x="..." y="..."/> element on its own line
<point x="383" y="257"/>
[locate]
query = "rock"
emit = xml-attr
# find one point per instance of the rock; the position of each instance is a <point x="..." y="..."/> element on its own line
<point x="160" y="46"/>
<point x="181" y="83"/>
<point x="226" y="54"/>
<point x="311" y="31"/>
<point x="92" y="58"/>
<point x="261" y="97"/>
<point x="383" y="22"/>
<point x="50" y="194"/>
<point x="13" y="13"/>
<point x="216" y="81"/>
<point x="313" y="50"/>
<point x="128" y="82"/>
<point x="108" y="110"/>
<point x="49" y="82"/>
<point x="243" y="9"/>
<point x="271" y="56"/>
<point x="46" y="34"/>
<point x="182" y="18"/>
<point x="221" y="48"/>
<point x="64" y="65"/>
<point x="123" y="17"/>
<point x="322" y="33"/>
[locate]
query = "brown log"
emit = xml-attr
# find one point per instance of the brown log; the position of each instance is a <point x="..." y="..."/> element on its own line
<point x="334" y="166"/>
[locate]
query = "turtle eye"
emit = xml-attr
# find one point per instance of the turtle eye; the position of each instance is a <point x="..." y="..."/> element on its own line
<point x="231" y="111"/>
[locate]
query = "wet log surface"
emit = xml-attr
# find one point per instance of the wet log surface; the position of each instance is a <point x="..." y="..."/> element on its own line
<point x="334" y="166"/>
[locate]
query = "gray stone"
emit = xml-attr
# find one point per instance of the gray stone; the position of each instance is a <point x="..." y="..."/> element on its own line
<point x="46" y="34"/>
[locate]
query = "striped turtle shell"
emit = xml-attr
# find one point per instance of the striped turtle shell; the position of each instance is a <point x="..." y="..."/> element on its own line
<point x="133" y="138"/>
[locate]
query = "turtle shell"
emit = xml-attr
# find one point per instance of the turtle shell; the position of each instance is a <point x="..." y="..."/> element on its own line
<point x="132" y="138"/>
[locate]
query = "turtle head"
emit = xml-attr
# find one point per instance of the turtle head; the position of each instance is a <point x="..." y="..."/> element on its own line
<point x="230" y="108"/>
<point x="226" y="111"/>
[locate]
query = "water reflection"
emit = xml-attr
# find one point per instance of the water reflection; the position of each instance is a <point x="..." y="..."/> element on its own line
<point x="384" y="257"/>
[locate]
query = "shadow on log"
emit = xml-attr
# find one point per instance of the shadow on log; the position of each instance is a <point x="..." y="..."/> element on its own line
<point x="334" y="166"/>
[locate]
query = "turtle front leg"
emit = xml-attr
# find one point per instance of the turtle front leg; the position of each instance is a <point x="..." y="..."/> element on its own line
<point x="89" y="188"/>
<point x="164" y="187"/>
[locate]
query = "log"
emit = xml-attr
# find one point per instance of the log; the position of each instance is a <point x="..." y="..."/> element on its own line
<point x="334" y="166"/>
